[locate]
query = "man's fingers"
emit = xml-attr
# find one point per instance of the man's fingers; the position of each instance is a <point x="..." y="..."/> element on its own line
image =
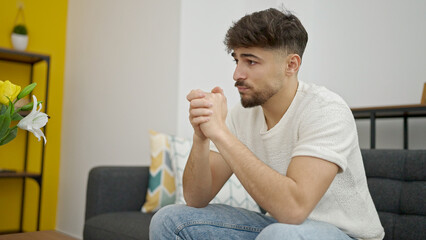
<point x="196" y="112"/>
<point x="200" y="103"/>
<point x="194" y="94"/>
<point x="199" y="120"/>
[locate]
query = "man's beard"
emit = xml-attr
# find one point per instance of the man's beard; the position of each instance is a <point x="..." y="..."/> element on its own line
<point x="256" y="98"/>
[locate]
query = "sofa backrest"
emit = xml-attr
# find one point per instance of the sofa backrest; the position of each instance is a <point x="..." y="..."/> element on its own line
<point x="397" y="184"/>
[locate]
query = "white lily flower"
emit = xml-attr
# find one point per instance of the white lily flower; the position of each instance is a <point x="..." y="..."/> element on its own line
<point x="34" y="121"/>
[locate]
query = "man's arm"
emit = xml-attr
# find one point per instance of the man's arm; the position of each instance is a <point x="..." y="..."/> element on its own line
<point x="290" y="198"/>
<point x="204" y="175"/>
<point x="205" y="172"/>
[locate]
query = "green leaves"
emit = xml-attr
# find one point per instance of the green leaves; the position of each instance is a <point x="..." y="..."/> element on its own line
<point x="5" y="120"/>
<point x="16" y="117"/>
<point x="11" y="134"/>
<point x="3" y="109"/>
<point x="20" y="29"/>
<point x="27" y="90"/>
<point x="6" y="134"/>
<point x="29" y="106"/>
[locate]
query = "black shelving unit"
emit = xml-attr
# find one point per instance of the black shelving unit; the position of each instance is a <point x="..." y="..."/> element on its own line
<point x="402" y="111"/>
<point x="31" y="59"/>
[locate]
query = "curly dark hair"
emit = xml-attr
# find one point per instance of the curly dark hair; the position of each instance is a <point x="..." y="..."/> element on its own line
<point x="271" y="29"/>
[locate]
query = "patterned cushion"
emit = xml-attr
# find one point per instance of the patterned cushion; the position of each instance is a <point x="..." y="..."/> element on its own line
<point x="161" y="185"/>
<point x="232" y="193"/>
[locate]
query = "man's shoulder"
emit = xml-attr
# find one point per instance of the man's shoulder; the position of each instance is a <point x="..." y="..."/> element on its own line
<point x="320" y="96"/>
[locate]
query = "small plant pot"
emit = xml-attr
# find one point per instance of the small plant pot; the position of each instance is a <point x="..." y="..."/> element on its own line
<point x="19" y="41"/>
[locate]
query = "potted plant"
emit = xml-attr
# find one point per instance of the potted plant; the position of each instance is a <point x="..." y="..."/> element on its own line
<point x="20" y="37"/>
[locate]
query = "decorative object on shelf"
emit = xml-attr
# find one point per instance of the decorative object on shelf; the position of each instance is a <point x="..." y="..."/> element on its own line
<point x="423" y="101"/>
<point x="19" y="37"/>
<point x="20" y="34"/>
<point x="9" y="95"/>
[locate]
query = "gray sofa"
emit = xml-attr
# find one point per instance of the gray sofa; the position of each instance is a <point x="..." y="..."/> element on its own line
<point x="396" y="180"/>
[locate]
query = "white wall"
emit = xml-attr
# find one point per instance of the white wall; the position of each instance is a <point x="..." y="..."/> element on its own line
<point x="372" y="54"/>
<point x="120" y="81"/>
<point x="369" y="52"/>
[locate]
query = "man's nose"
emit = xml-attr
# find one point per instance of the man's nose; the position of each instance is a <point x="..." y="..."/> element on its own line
<point x="239" y="73"/>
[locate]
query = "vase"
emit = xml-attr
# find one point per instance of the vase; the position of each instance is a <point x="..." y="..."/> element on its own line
<point x="19" y="41"/>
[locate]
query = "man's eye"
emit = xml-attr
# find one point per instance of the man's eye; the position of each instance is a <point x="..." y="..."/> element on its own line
<point x="251" y="62"/>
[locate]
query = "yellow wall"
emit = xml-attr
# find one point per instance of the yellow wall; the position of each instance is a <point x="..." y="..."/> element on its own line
<point x="46" y="24"/>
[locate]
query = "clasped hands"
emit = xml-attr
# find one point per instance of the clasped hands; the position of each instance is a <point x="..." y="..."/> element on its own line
<point x="207" y="113"/>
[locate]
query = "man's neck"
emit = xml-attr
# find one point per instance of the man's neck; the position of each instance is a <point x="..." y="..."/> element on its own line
<point x="275" y="108"/>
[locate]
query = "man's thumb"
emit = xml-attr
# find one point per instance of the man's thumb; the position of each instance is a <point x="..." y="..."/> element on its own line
<point x="217" y="90"/>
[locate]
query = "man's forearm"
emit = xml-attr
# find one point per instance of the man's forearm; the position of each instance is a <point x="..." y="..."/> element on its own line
<point x="274" y="192"/>
<point x="197" y="177"/>
<point x="290" y="198"/>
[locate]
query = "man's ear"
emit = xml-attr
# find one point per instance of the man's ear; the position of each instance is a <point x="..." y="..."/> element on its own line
<point x="293" y="64"/>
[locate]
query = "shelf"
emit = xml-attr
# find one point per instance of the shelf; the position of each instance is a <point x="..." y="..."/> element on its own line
<point x="28" y="58"/>
<point x="413" y="110"/>
<point x="398" y="111"/>
<point x="19" y="175"/>
<point x="35" y="176"/>
<point x="7" y="54"/>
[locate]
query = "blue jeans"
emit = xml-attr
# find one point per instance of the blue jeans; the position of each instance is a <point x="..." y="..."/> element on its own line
<point x="218" y="221"/>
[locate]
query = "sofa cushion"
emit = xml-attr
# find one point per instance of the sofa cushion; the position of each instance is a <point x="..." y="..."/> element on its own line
<point x="407" y="227"/>
<point x="118" y="225"/>
<point x="397" y="183"/>
<point x="116" y="189"/>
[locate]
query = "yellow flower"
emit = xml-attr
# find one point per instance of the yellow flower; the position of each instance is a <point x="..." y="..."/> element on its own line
<point x="8" y="90"/>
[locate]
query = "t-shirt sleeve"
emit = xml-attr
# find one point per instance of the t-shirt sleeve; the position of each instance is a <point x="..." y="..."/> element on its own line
<point x="327" y="132"/>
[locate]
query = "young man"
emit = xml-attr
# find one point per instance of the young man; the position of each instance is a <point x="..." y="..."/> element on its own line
<point x="292" y="145"/>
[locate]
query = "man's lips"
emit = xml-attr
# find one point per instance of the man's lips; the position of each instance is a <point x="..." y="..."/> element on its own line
<point x="241" y="87"/>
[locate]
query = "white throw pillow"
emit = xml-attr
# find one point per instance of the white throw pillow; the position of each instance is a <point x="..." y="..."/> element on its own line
<point x="232" y="192"/>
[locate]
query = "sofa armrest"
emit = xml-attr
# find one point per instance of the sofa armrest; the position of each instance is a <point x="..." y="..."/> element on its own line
<point x="116" y="188"/>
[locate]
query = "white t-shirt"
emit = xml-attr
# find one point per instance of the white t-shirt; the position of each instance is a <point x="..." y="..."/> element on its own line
<point x="318" y="123"/>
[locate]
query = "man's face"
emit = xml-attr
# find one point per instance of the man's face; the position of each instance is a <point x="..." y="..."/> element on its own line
<point x="259" y="74"/>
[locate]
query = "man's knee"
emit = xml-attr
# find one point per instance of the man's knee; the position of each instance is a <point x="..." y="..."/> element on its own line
<point x="278" y="231"/>
<point x="307" y="230"/>
<point x="164" y="220"/>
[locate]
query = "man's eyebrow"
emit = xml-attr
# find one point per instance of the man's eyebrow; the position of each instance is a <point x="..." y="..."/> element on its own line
<point x="246" y="55"/>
